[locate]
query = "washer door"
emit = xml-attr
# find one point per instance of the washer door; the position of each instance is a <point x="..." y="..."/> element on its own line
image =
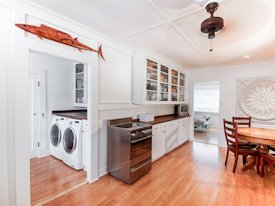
<point x="69" y="140"/>
<point x="55" y="135"/>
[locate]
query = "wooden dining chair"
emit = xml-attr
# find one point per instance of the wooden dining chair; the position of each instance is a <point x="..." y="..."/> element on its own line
<point x="232" y="140"/>
<point x="267" y="159"/>
<point x="242" y="121"/>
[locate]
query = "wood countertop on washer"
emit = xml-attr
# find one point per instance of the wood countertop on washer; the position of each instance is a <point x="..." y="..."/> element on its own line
<point x="73" y="114"/>
<point x="166" y="118"/>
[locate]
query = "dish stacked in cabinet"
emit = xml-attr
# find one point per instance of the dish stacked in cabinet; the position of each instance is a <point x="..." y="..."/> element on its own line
<point x="156" y="81"/>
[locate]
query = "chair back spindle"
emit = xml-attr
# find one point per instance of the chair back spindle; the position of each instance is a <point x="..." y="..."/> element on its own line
<point x="242" y="121"/>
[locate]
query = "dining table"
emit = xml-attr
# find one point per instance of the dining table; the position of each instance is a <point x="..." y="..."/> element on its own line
<point x="262" y="137"/>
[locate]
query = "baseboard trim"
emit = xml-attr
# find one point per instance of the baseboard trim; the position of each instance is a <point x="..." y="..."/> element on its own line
<point x="102" y="171"/>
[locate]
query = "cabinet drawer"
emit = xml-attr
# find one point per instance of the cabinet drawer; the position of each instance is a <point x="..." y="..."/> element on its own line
<point x="156" y="127"/>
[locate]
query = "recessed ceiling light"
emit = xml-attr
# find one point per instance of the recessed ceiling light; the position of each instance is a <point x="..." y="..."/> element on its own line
<point x="247" y="56"/>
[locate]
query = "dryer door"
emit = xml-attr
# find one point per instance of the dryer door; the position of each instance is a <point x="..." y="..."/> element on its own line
<point x="55" y="135"/>
<point x="69" y="140"/>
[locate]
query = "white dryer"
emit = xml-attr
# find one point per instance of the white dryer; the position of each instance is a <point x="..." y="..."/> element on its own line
<point x="56" y="132"/>
<point x="72" y="144"/>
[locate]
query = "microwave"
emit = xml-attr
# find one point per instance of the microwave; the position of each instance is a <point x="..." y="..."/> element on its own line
<point x="181" y="110"/>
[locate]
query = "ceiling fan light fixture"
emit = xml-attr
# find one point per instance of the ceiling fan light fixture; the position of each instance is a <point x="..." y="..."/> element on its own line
<point x="211" y="34"/>
<point x="212" y="24"/>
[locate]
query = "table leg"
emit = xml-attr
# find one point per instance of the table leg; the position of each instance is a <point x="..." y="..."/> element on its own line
<point x="251" y="162"/>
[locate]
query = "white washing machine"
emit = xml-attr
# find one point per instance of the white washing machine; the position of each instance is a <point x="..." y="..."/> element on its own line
<point x="72" y="144"/>
<point x="56" y="132"/>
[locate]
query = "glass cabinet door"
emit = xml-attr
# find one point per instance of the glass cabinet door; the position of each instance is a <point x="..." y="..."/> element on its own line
<point x="174" y="85"/>
<point x="151" y="80"/>
<point x="181" y="86"/>
<point x="164" y="80"/>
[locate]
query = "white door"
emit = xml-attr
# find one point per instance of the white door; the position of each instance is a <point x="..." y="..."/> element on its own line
<point x="38" y="113"/>
<point x="35" y="111"/>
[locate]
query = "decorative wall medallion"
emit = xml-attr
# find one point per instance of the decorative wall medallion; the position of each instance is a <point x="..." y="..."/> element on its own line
<point x="257" y="98"/>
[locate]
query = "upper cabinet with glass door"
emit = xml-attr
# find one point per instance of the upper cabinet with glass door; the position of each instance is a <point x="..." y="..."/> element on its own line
<point x="164" y="84"/>
<point x="174" y="85"/>
<point x="181" y="87"/>
<point x="80" y="90"/>
<point x="151" y="81"/>
<point x="155" y="82"/>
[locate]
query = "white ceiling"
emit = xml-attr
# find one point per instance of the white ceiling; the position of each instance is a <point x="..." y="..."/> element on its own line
<point x="172" y="27"/>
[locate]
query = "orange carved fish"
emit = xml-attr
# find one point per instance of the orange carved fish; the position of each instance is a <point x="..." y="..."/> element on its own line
<point x="53" y="34"/>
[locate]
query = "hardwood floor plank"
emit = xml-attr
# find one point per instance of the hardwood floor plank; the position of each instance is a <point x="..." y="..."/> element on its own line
<point x="193" y="174"/>
<point x="51" y="177"/>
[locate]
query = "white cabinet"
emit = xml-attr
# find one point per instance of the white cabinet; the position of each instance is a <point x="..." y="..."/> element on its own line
<point x="80" y="85"/>
<point x="156" y="82"/>
<point x="183" y="130"/>
<point x="169" y="135"/>
<point x="158" y="142"/>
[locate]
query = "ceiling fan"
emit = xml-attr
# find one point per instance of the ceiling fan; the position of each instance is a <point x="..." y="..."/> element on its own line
<point x="212" y="24"/>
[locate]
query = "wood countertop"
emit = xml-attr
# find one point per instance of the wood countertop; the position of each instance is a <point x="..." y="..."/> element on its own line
<point x="166" y="118"/>
<point x="73" y="114"/>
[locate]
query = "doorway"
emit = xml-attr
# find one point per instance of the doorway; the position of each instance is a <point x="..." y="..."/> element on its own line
<point x="53" y="93"/>
<point x="206" y="112"/>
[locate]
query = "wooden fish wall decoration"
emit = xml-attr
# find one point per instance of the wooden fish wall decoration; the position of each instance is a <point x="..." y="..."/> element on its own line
<point x="55" y="35"/>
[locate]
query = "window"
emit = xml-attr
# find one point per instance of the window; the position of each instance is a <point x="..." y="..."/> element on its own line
<point x="207" y="97"/>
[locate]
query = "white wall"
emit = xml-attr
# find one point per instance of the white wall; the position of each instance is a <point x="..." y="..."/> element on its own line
<point x="227" y="76"/>
<point x="5" y="34"/>
<point x="59" y="87"/>
<point x="115" y="77"/>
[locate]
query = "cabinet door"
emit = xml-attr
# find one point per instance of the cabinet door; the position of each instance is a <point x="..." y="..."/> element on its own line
<point x="186" y="130"/>
<point x="180" y="132"/>
<point x="183" y="131"/>
<point x="174" y="85"/>
<point x="171" y="136"/>
<point x="158" y="142"/>
<point x="164" y="83"/>
<point x="151" y="94"/>
<point x="81" y="85"/>
<point x="182" y="87"/>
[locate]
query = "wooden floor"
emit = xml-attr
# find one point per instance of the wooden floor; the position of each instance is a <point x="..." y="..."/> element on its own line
<point x="193" y="174"/>
<point x="50" y="177"/>
<point x="210" y="136"/>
